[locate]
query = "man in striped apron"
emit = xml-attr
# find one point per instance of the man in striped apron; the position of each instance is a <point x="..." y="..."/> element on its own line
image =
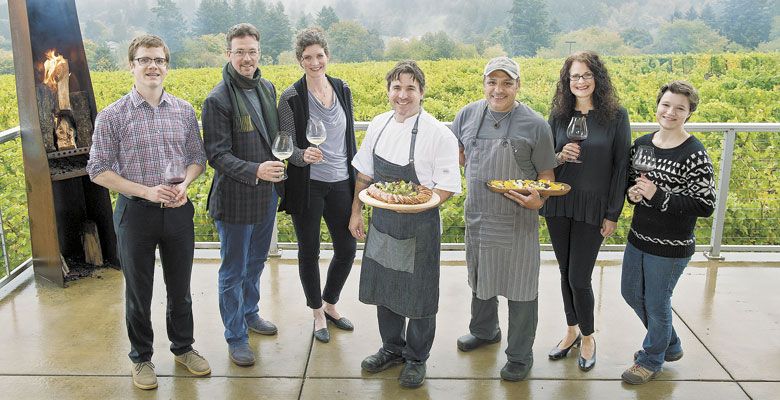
<point x="501" y="138"/>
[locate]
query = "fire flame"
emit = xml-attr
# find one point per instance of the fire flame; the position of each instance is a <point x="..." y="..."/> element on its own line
<point x="53" y="70"/>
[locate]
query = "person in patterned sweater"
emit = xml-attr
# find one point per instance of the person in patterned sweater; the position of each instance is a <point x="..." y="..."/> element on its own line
<point x="668" y="200"/>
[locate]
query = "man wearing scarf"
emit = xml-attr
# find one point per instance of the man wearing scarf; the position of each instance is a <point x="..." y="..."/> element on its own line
<point x="239" y="125"/>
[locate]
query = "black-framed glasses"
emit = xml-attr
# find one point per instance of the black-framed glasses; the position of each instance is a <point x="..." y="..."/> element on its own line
<point x="240" y="53"/>
<point x="586" y="76"/>
<point x="145" y="61"/>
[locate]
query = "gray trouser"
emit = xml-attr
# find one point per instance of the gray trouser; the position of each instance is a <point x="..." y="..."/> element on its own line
<point x="523" y="316"/>
<point x="413" y="340"/>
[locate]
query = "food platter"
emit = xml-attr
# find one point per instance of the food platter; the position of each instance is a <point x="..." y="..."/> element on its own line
<point x="545" y="188"/>
<point x="368" y="200"/>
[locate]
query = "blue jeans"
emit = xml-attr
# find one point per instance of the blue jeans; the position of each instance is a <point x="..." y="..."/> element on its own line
<point x="244" y="249"/>
<point x="647" y="284"/>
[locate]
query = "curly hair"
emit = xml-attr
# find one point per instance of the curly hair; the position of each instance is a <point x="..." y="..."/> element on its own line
<point x="605" y="100"/>
<point x="310" y="37"/>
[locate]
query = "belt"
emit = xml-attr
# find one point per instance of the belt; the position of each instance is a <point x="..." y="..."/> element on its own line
<point x="144" y="202"/>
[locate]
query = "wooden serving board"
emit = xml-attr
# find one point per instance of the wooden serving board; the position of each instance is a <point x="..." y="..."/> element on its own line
<point x="368" y="200"/>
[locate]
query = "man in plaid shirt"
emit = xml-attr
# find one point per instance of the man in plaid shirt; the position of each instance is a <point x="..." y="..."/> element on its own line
<point x="134" y="141"/>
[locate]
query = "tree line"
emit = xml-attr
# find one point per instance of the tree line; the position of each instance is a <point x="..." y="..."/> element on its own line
<point x="545" y="28"/>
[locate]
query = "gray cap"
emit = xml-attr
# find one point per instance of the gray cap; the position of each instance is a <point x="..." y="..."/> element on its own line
<point x="505" y="64"/>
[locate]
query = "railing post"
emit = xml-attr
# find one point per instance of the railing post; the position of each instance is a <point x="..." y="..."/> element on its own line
<point x="6" y="258"/>
<point x="726" y="159"/>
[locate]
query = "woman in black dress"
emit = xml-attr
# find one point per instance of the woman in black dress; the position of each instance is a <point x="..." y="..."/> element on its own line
<point x="579" y="221"/>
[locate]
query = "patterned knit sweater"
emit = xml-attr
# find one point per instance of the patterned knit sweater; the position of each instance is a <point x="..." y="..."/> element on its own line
<point x="663" y="226"/>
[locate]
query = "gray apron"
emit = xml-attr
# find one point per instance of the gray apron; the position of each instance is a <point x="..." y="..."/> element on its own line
<point x="502" y="238"/>
<point x="400" y="268"/>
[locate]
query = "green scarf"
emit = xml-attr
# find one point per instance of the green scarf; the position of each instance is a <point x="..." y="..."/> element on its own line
<point x="241" y="119"/>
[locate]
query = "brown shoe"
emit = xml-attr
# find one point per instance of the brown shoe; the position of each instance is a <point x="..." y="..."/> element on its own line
<point x="195" y="363"/>
<point x="638" y="375"/>
<point x="144" y="376"/>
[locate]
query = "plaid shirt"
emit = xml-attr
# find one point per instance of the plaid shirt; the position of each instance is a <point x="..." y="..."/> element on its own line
<point x="136" y="140"/>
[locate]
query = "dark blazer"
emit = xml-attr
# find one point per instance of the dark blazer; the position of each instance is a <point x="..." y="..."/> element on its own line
<point x="236" y="195"/>
<point x="293" y="117"/>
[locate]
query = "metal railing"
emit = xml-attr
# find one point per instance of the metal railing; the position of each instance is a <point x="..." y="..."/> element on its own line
<point x="733" y="138"/>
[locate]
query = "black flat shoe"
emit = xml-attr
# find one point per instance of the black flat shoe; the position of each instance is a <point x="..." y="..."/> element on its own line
<point x="587" y="365"/>
<point x="341" y="323"/>
<point x="322" y="335"/>
<point x="557" y="354"/>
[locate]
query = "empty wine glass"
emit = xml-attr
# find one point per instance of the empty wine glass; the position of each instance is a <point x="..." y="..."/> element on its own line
<point x="316" y="134"/>
<point x="174" y="172"/>
<point x="577" y="132"/>
<point x="282" y="148"/>
<point x="644" y="159"/>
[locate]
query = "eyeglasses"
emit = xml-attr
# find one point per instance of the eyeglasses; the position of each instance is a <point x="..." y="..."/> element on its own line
<point x="241" y="53"/>
<point x="145" y="61"/>
<point x="586" y="76"/>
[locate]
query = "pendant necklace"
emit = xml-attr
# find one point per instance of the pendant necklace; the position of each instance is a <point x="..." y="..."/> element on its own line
<point x="497" y="122"/>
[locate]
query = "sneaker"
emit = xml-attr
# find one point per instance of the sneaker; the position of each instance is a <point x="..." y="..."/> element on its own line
<point x="195" y="363"/>
<point x="241" y="354"/>
<point x="668" y="357"/>
<point x="413" y="374"/>
<point x="637" y="375"/>
<point x="381" y="361"/>
<point x="144" y="376"/>
<point x="262" y="327"/>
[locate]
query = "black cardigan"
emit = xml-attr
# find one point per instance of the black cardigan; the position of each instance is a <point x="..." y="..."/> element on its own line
<point x="296" y="187"/>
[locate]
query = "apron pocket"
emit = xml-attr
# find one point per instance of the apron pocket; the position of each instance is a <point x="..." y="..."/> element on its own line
<point x="389" y="252"/>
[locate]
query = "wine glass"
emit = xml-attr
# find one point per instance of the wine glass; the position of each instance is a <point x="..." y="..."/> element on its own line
<point x="577" y="132"/>
<point x="282" y="148"/>
<point x="316" y="134"/>
<point x="174" y="172"/>
<point x="644" y="159"/>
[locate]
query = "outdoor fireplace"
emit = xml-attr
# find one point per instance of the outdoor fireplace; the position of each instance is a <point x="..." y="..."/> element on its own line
<point x="70" y="217"/>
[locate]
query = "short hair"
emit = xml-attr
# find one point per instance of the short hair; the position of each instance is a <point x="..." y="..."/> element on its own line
<point x="310" y="37"/>
<point x="680" y="87"/>
<point x="147" y="41"/>
<point x="241" y="30"/>
<point x="406" y="67"/>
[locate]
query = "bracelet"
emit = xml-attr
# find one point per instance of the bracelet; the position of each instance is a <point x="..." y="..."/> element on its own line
<point x="558" y="160"/>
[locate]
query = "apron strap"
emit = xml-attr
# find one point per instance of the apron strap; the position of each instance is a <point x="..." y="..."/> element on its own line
<point x="414" y="136"/>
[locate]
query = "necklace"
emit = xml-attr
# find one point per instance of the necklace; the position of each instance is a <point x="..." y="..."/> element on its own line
<point x="322" y="98"/>
<point x="497" y="122"/>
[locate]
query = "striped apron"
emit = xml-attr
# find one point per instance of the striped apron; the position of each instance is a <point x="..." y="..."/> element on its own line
<point x="400" y="267"/>
<point x="502" y="238"/>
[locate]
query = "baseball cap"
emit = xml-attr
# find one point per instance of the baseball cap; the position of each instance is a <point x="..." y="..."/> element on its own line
<point x="505" y="64"/>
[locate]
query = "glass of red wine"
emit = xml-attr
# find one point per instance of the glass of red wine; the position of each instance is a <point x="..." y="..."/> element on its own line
<point x="174" y="172"/>
<point x="577" y="132"/>
<point x="644" y="159"/>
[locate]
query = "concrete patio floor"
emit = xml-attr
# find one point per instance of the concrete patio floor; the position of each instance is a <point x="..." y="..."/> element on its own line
<point x="71" y="343"/>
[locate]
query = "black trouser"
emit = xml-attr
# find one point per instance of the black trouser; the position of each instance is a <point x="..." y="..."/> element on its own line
<point x="413" y="342"/>
<point x="576" y="245"/>
<point x="523" y="318"/>
<point x="333" y="201"/>
<point x="140" y="228"/>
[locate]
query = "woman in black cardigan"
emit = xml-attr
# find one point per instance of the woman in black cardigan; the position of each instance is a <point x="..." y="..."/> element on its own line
<point x="579" y="221"/>
<point x="321" y="180"/>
